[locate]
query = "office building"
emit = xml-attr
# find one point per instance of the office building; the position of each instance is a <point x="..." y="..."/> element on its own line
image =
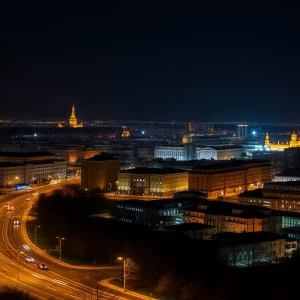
<point x="31" y="170"/>
<point x="156" y="214"/>
<point x="189" y="151"/>
<point x="100" y="172"/>
<point x="292" y="158"/>
<point x="152" y="181"/>
<point x="249" y="249"/>
<point x="232" y="217"/>
<point x="243" y="131"/>
<point x="74" y="156"/>
<point x="220" y="178"/>
<point x="284" y="196"/>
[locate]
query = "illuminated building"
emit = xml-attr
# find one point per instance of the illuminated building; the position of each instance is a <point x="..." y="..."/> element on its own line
<point x="74" y="156"/>
<point x="219" y="178"/>
<point x="155" y="213"/>
<point x="125" y="133"/>
<point x="187" y="139"/>
<point x="100" y="172"/>
<point x="73" y="123"/>
<point x="192" y="127"/>
<point x="249" y="249"/>
<point x="189" y="151"/>
<point x="24" y="168"/>
<point x="242" y="131"/>
<point x="294" y="142"/>
<point x="284" y="196"/>
<point x="152" y="181"/>
<point x="232" y="217"/>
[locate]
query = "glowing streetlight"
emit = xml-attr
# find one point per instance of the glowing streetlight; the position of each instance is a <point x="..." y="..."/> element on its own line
<point x="60" y="239"/>
<point x="124" y="272"/>
<point x="20" y="252"/>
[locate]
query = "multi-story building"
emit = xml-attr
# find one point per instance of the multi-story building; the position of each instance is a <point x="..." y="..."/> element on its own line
<point x="231" y="217"/>
<point x="190" y="151"/>
<point x="292" y="174"/>
<point x="292" y="157"/>
<point x="100" y="172"/>
<point x="152" y="181"/>
<point x="15" y="173"/>
<point x="284" y="196"/>
<point x="294" y="142"/>
<point x="219" y="178"/>
<point x="249" y="249"/>
<point x="156" y="213"/>
<point x="74" y="156"/>
<point x="23" y="157"/>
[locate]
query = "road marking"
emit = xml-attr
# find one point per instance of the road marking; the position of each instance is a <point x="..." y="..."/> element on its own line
<point x="32" y="280"/>
<point x="50" y="288"/>
<point x="37" y="275"/>
<point x="72" y="296"/>
<point x="4" y="269"/>
<point x="59" y="282"/>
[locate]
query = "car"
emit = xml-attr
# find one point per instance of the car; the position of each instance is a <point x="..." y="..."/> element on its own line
<point x="29" y="259"/>
<point x="10" y="208"/>
<point x="17" y="222"/>
<point x="27" y="199"/>
<point x="35" y="194"/>
<point x="42" y="266"/>
<point x="7" y="205"/>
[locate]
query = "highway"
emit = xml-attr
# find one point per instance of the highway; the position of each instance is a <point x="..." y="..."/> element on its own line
<point x="61" y="281"/>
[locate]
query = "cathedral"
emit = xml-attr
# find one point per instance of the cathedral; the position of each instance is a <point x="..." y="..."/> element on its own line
<point x="73" y="123"/>
<point x="294" y="142"/>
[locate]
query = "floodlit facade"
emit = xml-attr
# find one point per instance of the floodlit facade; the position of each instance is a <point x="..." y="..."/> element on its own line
<point x="294" y="142"/>
<point x="152" y="181"/>
<point x="222" y="178"/>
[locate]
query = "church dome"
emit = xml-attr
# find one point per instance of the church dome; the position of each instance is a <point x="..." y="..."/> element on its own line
<point x="125" y="133"/>
<point x="187" y="139"/>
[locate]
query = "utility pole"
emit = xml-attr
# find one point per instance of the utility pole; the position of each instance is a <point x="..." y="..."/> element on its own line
<point x="60" y="239"/>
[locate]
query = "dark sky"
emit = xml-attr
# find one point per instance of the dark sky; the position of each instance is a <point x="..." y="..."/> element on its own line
<point x="150" y="60"/>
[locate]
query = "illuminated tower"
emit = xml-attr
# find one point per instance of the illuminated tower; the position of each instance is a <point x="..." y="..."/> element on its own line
<point x="73" y="119"/>
<point x="267" y="140"/>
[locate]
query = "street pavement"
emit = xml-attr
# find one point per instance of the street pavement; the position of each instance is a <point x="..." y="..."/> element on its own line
<point x="61" y="281"/>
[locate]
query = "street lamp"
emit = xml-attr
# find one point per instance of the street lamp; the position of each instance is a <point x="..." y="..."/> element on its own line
<point x="35" y="227"/>
<point x="110" y="188"/>
<point x="60" y="239"/>
<point x="124" y="272"/>
<point x="20" y="252"/>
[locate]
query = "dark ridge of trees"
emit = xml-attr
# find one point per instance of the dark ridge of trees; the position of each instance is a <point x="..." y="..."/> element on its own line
<point x="8" y="293"/>
<point x="172" y="267"/>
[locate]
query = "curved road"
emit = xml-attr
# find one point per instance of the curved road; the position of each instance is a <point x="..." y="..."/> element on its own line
<point x="60" y="281"/>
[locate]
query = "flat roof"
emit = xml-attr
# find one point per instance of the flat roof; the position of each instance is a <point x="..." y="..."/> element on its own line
<point x="285" y="183"/>
<point x="247" y="237"/>
<point x="26" y="154"/>
<point x="36" y="162"/>
<point x="221" y="164"/>
<point x="190" y="226"/>
<point x="157" y="171"/>
<point x="103" y="156"/>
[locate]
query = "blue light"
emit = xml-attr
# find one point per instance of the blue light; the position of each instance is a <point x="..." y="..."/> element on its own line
<point x="254" y="132"/>
<point x="143" y="132"/>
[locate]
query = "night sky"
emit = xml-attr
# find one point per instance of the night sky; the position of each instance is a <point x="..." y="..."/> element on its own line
<point x="150" y="60"/>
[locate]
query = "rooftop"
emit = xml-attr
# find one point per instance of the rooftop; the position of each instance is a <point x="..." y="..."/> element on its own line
<point x="102" y="157"/>
<point x="153" y="171"/>
<point x="286" y="183"/>
<point x="25" y="154"/>
<point x="246" y="238"/>
<point x="222" y="164"/>
<point x="160" y="204"/>
<point x="37" y="162"/>
<point x="190" y="226"/>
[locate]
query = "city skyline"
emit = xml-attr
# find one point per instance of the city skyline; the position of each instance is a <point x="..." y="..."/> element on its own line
<point x="124" y="61"/>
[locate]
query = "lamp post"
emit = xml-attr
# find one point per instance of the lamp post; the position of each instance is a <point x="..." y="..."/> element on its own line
<point x="124" y="272"/>
<point x="35" y="227"/>
<point x="110" y="188"/>
<point x="20" y="252"/>
<point x="60" y="239"/>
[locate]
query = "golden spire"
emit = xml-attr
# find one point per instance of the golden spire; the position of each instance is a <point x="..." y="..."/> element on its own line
<point x="73" y="111"/>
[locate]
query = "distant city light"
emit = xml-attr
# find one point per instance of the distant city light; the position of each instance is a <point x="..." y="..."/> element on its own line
<point x="253" y="132"/>
<point x="143" y="132"/>
<point x="35" y="134"/>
